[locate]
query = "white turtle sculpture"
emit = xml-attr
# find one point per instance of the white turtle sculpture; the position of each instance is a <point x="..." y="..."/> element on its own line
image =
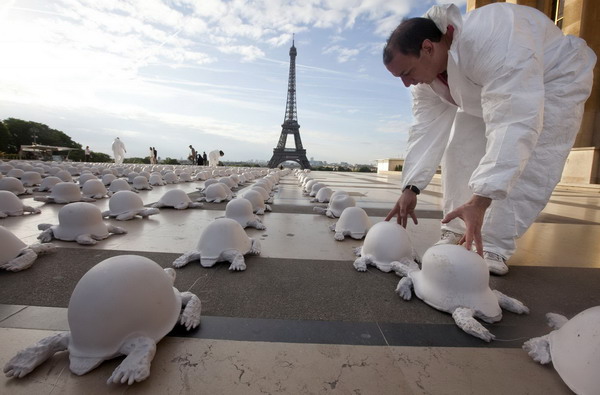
<point x="240" y="210"/>
<point x="13" y="185"/>
<point x="156" y="180"/>
<point x="63" y="193"/>
<point x="12" y="206"/>
<point x="16" y="255"/>
<point x="119" y="184"/>
<point x="456" y="280"/>
<point x="122" y="306"/>
<point x="47" y="184"/>
<point x="126" y="205"/>
<point x="94" y="188"/>
<point x="80" y="222"/>
<point x="386" y="244"/>
<point x="258" y="204"/>
<point x="140" y="183"/>
<point x="223" y="239"/>
<point x="323" y="195"/>
<point x="337" y="204"/>
<point x="216" y="192"/>
<point x="574" y="349"/>
<point x="353" y="222"/>
<point x="178" y="199"/>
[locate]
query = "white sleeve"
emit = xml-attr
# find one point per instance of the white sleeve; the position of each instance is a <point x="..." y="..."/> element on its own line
<point x="507" y="61"/>
<point x="428" y="136"/>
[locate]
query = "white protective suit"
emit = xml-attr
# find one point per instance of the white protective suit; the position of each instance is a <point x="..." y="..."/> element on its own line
<point x="213" y="158"/>
<point x="118" y="151"/>
<point x="506" y="121"/>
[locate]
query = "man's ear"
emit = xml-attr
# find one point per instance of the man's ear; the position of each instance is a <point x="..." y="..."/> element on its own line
<point x="427" y="46"/>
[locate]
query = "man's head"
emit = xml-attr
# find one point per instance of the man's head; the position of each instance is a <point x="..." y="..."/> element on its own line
<point x="221" y="153"/>
<point x="416" y="51"/>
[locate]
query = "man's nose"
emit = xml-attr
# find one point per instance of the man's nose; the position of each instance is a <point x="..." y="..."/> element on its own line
<point x="407" y="81"/>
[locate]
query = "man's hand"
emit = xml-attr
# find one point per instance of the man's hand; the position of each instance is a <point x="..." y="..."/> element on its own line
<point x="472" y="213"/>
<point x="404" y="207"/>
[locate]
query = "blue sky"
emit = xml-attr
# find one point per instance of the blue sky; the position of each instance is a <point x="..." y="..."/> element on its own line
<point x="169" y="73"/>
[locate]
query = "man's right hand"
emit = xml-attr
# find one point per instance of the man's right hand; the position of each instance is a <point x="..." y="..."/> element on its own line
<point x="404" y="207"/>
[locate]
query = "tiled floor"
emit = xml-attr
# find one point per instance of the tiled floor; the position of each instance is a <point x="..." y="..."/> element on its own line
<point x="300" y="319"/>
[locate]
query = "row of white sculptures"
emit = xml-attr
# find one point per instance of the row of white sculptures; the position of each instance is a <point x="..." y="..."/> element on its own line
<point x="449" y="278"/>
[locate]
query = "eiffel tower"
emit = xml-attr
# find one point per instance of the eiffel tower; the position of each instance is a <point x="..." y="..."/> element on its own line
<point x="290" y="125"/>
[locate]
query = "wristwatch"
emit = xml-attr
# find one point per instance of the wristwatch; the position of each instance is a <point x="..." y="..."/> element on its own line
<point x="412" y="188"/>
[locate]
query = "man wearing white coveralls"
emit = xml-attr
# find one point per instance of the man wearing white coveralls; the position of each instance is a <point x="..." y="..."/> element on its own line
<point x="118" y="151"/>
<point x="213" y="157"/>
<point x="498" y="99"/>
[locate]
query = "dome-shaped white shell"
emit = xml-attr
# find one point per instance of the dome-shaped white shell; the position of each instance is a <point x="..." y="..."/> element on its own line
<point x="217" y="192"/>
<point x="323" y="195"/>
<point x="452" y="277"/>
<point x="120" y="298"/>
<point x="123" y="202"/>
<point x="141" y="183"/>
<point x="65" y="176"/>
<point x="156" y="180"/>
<point x="94" y="188"/>
<point x="65" y="192"/>
<point x="48" y="183"/>
<point x="119" y="185"/>
<point x="31" y="178"/>
<point x="174" y="198"/>
<point x="240" y="210"/>
<point x="13" y="185"/>
<point x="263" y="192"/>
<point x="353" y="222"/>
<point x="131" y="176"/>
<point x="228" y="181"/>
<point x="315" y="188"/>
<point x="85" y="177"/>
<point x="11" y="205"/>
<point x="575" y="351"/>
<point x="338" y="203"/>
<point x="108" y="178"/>
<point x="80" y="218"/>
<point x="10" y="245"/>
<point x="386" y="242"/>
<point x="185" y="177"/>
<point x="16" y="173"/>
<point x="308" y="185"/>
<point x="220" y="235"/>
<point x="258" y="203"/>
<point x="170" y="178"/>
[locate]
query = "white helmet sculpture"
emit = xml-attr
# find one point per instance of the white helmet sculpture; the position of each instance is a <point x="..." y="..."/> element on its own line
<point x="240" y="210"/>
<point x="31" y="178"/>
<point x="456" y="281"/>
<point x="47" y="184"/>
<point x="315" y="188"/>
<point x="94" y="188"/>
<point x="156" y="180"/>
<point x="80" y="222"/>
<point x="119" y="184"/>
<point x="12" y="206"/>
<point x="573" y="348"/>
<point x="223" y="239"/>
<point x="125" y="205"/>
<point x="336" y="206"/>
<point x="108" y="178"/>
<point x="85" y="177"/>
<point x="258" y="204"/>
<point x="141" y="183"/>
<point x="123" y="305"/>
<point x="16" y="255"/>
<point x="13" y="185"/>
<point x="171" y="178"/>
<point x="353" y="222"/>
<point x="323" y="195"/>
<point x="177" y="199"/>
<point x="385" y="243"/>
<point x="217" y="192"/>
<point x="63" y="193"/>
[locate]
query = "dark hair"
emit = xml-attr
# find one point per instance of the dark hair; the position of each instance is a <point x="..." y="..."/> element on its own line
<point x="408" y="37"/>
<point x="221" y="153"/>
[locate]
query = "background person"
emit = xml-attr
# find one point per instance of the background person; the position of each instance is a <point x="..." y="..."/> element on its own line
<point x="119" y="151"/>
<point x="213" y="157"/>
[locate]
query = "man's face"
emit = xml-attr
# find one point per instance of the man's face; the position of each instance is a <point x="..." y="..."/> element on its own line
<point x="416" y="70"/>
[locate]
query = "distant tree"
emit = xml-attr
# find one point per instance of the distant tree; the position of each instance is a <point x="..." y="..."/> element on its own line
<point x="364" y="169"/>
<point x="342" y="168"/>
<point x="169" y="161"/>
<point x="398" y="168"/>
<point x="22" y="133"/>
<point x="100" y="157"/>
<point x="135" y="160"/>
<point x="4" y="137"/>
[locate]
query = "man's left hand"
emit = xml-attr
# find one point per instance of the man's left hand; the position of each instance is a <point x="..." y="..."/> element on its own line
<point x="472" y="213"/>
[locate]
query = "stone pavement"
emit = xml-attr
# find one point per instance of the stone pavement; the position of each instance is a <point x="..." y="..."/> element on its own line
<point x="300" y="319"/>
